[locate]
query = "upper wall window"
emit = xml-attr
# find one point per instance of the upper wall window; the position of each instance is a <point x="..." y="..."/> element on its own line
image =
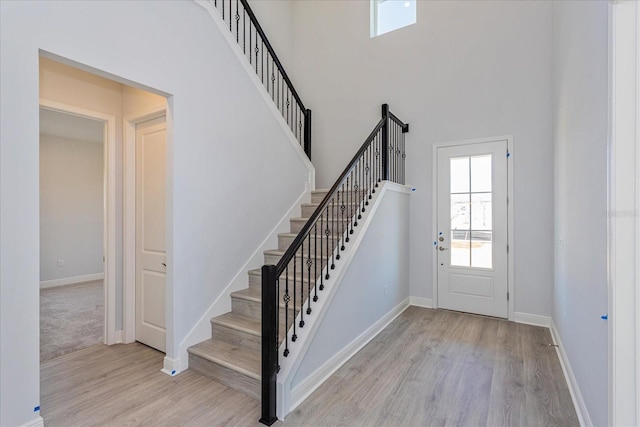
<point x="389" y="15"/>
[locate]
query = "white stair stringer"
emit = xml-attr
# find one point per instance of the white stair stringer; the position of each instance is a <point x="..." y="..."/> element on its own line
<point x="290" y="395"/>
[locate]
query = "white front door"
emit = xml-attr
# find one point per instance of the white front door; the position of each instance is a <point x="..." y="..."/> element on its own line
<point x="472" y="228"/>
<point x="151" y="254"/>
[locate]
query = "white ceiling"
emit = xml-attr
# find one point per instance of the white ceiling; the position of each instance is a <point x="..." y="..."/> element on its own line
<point x="71" y="126"/>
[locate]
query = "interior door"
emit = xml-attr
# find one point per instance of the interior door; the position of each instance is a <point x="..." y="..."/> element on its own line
<point x="151" y="254"/>
<point x="472" y="228"/>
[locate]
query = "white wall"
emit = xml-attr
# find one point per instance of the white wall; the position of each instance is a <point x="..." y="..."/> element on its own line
<point x="71" y="207"/>
<point x="224" y="169"/>
<point x="580" y="89"/>
<point x="464" y="70"/>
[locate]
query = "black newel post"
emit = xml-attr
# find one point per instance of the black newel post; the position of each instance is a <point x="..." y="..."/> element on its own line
<point x="385" y="142"/>
<point x="269" y="344"/>
<point x="307" y="133"/>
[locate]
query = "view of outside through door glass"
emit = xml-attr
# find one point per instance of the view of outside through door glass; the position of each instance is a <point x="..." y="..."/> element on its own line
<point x="471" y="227"/>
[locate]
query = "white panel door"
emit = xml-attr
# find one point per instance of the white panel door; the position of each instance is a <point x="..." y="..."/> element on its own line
<point x="472" y="228"/>
<point x="151" y="254"/>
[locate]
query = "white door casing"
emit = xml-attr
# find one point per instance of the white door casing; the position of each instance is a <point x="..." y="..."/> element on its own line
<point x="151" y="255"/>
<point x="472" y="228"/>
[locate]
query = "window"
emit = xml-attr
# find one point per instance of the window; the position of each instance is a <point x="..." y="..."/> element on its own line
<point x="389" y="15"/>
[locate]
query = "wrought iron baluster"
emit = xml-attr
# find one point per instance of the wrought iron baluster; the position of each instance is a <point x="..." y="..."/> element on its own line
<point x="327" y="233"/>
<point x="286" y="298"/>
<point x="295" y="278"/>
<point x="302" y="285"/>
<point x="315" y="264"/>
<point x="334" y="229"/>
<point x="342" y="208"/>
<point x="237" y="23"/>
<point x="309" y="264"/>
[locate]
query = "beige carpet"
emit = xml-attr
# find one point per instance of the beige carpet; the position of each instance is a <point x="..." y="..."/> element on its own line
<point x="71" y="318"/>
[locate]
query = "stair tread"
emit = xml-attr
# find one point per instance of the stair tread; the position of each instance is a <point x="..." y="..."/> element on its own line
<point x="240" y="322"/>
<point x="241" y="359"/>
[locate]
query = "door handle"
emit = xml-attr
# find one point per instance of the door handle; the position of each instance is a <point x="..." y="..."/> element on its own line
<point x="442" y="249"/>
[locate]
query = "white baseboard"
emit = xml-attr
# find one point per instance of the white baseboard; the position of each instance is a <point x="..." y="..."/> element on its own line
<point x="36" y="422"/>
<point x="421" y="302"/>
<point x="532" y="319"/>
<point x="170" y="366"/>
<point x="71" y="280"/>
<point x="574" y="390"/>
<point x="320" y="375"/>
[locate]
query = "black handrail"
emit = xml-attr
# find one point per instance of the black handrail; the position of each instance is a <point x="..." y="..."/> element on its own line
<point x="299" y="120"/>
<point x="381" y="157"/>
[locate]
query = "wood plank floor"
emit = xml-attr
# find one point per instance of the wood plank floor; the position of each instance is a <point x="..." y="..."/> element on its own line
<point x="427" y="368"/>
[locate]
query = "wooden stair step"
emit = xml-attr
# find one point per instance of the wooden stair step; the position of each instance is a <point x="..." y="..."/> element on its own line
<point x="235" y="366"/>
<point x="237" y="329"/>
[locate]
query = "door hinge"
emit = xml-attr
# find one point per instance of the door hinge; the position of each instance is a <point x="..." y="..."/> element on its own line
<point x="507" y="296"/>
<point x="103" y="259"/>
<point x="507" y="248"/>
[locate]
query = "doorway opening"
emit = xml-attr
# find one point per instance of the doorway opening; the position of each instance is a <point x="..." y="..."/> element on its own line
<point x="80" y="99"/>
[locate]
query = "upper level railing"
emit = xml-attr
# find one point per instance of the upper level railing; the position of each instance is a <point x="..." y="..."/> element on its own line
<point x="244" y="27"/>
<point x="300" y="274"/>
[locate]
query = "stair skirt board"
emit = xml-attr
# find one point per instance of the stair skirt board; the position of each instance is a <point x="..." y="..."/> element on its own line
<point x="222" y="304"/>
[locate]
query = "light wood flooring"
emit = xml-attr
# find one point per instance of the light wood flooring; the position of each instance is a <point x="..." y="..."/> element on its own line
<point x="427" y="368"/>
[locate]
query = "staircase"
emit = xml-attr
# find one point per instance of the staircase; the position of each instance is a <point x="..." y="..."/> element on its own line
<point x="232" y="355"/>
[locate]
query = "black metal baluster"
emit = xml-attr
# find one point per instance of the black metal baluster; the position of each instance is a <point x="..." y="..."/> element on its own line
<point x="295" y="278"/>
<point x="302" y="285"/>
<point x="334" y="229"/>
<point x="262" y="62"/>
<point x="237" y="23"/>
<point x="315" y="264"/>
<point x="322" y="262"/>
<point x="244" y="31"/>
<point x="404" y="159"/>
<point x="250" y="41"/>
<point x="256" y="50"/>
<point x="328" y="234"/>
<point x="286" y="298"/>
<point x="342" y="208"/>
<point x="358" y="201"/>
<point x="309" y="264"/>
<point x="347" y="199"/>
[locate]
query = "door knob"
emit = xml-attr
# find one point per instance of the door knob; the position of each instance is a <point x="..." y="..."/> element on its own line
<point x="442" y="249"/>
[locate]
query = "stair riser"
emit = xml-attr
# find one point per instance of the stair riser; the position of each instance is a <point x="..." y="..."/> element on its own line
<point x="274" y="259"/>
<point x="256" y="281"/>
<point x="334" y="211"/>
<point x="295" y="225"/>
<point x="314" y="243"/>
<point x="319" y="196"/>
<point x="235" y="336"/>
<point x="226" y="376"/>
<point x="251" y="308"/>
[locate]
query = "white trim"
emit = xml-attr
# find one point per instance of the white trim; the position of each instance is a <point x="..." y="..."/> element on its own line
<point x="320" y="375"/>
<point x="170" y="366"/>
<point x="511" y="277"/>
<point x="532" y="319"/>
<point x="624" y="213"/>
<point x="118" y="336"/>
<point x="109" y="223"/>
<point x="574" y="389"/>
<point x="36" y="422"/>
<point x="421" y="302"/>
<point x="129" y="217"/>
<point x="224" y="29"/>
<point x="222" y="304"/>
<point x="70" y="280"/>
